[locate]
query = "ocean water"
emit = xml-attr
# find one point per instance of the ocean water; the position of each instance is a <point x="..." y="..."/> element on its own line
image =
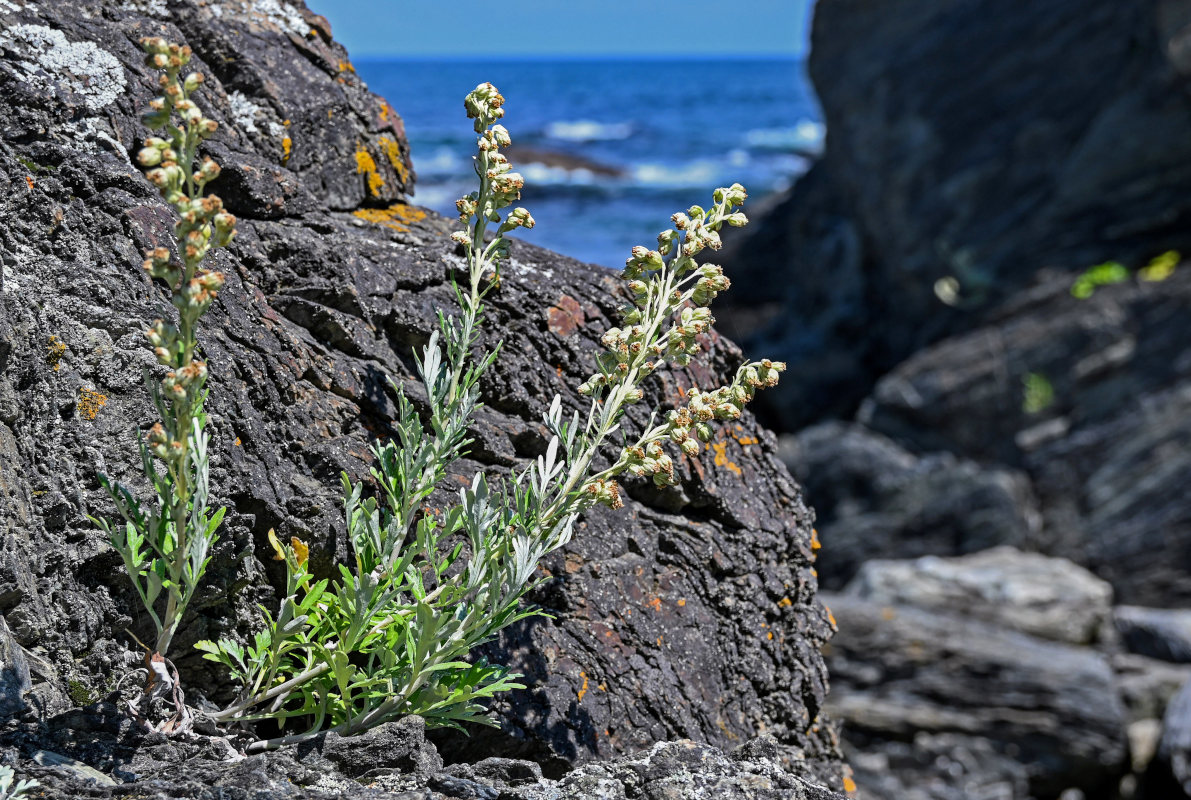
<point x="609" y="148"/>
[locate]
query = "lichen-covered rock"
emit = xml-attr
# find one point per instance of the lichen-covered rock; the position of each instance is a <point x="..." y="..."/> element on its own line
<point x="693" y="613"/>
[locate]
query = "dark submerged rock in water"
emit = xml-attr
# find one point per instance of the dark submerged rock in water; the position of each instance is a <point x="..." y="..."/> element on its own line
<point x="691" y="614"/>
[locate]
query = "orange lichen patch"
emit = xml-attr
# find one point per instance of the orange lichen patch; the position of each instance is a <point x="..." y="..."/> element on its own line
<point x="603" y="687"/>
<point x="566" y="317"/>
<point x="287" y="147"/>
<point x="346" y="66"/>
<point x="397" y="216"/>
<point x="237" y="442"/>
<point x="769" y="636"/>
<point x="815" y="543"/>
<point x="785" y="602"/>
<point x="721" y="458"/>
<point x="365" y="165"/>
<point x="888" y="613"/>
<point x="558" y="370"/>
<point x="830" y="616"/>
<point x="29" y="181"/>
<point x="849" y="785"/>
<point x="745" y="441"/>
<point x="54" y="351"/>
<point x="392" y="151"/>
<point x="573" y="563"/>
<point x="681" y="602"/>
<point x="90" y="401"/>
<point x="583" y="690"/>
<point x="659" y="641"/>
<point x="656" y="604"/>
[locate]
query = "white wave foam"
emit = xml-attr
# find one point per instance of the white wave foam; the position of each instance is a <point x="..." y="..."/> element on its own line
<point x="694" y="174"/>
<point x="542" y="175"/>
<point x="807" y="136"/>
<point x="586" y="130"/>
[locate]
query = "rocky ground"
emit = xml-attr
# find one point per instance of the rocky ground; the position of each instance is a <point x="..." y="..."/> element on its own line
<point x="691" y="617"/>
<point x="954" y="398"/>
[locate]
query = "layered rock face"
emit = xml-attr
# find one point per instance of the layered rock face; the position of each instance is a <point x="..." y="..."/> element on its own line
<point x="964" y="142"/>
<point x="692" y="613"/>
<point x="1002" y="152"/>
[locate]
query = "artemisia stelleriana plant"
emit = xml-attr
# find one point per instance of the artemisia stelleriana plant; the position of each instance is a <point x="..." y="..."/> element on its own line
<point x="165" y="542"/>
<point x="393" y="633"/>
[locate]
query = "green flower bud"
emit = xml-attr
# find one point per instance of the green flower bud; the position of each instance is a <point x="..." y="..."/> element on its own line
<point x="703" y="431"/>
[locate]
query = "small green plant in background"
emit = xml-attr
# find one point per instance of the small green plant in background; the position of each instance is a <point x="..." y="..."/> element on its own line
<point x="1158" y="269"/>
<point x="392" y="633"/>
<point x="1037" y="393"/>
<point x="11" y="788"/>
<point x="165" y="543"/>
<point x="1093" y="278"/>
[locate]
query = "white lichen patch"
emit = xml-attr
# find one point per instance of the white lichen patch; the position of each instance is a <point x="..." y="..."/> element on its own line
<point x="151" y="8"/>
<point x="279" y="13"/>
<point x="47" y="60"/>
<point x="244" y="111"/>
<point x="283" y="15"/>
<point x="6" y="6"/>
<point x="251" y="117"/>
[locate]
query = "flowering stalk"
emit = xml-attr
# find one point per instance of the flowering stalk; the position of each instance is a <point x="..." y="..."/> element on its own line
<point x="165" y="547"/>
<point x="394" y="636"/>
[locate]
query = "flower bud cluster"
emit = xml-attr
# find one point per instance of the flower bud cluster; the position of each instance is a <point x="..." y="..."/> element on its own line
<point x="649" y="460"/>
<point x="500" y="186"/>
<point x="483" y="104"/>
<point x="202" y="223"/>
<point x="603" y="491"/>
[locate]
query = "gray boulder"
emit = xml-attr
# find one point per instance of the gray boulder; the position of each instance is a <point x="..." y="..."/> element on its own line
<point x="1162" y="633"/>
<point x="900" y="672"/>
<point x="1046" y="597"/>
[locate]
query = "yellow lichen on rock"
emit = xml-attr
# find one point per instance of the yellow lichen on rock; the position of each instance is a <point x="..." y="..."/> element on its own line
<point x="90" y="401"/>
<point x="287" y="147"/>
<point x="393" y="153"/>
<point x="366" y="165"/>
<point x="54" y="351"/>
<point x="398" y="216"/>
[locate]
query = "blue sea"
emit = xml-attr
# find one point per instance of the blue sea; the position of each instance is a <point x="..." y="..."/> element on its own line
<point x="609" y="148"/>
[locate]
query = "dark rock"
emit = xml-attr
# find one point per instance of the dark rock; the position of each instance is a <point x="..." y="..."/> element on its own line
<point x="967" y="143"/>
<point x="936" y="766"/>
<point x="1121" y="380"/>
<point x="692" y="613"/>
<point x="14" y="674"/>
<point x="900" y="673"/>
<point x="875" y="499"/>
<point x="195" y="768"/>
<point x="1170" y="775"/>
<point x="393" y="747"/>
<point x="1158" y="633"/>
<point x="1046" y="597"/>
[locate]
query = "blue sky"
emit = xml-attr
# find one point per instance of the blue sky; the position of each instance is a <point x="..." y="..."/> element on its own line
<point x="372" y="28"/>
